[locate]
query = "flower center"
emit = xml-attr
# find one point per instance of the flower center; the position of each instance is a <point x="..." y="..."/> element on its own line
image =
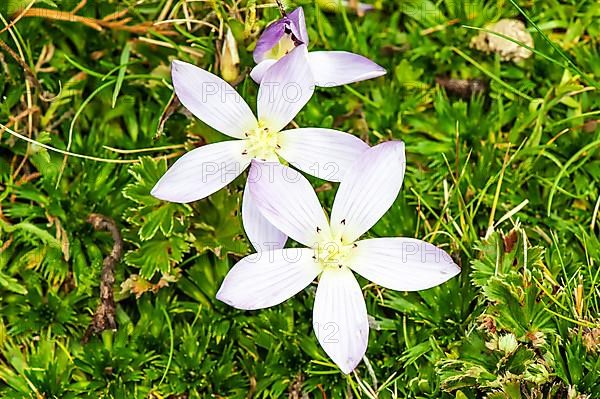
<point x="333" y="253"/>
<point x="281" y="48"/>
<point x="262" y="143"/>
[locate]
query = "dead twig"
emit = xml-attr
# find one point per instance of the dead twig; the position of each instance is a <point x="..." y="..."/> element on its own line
<point x="104" y="317"/>
<point x="94" y="23"/>
<point x="186" y="49"/>
<point x="169" y="110"/>
<point x="14" y="21"/>
<point x="281" y="8"/>
<point x="28" y="72"/>
<point x="14" y="119"/>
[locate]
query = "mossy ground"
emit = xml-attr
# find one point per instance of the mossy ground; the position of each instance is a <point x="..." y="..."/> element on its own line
<point x="507" y="181"/>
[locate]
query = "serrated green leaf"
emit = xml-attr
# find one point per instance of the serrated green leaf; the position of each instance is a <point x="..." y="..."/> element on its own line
<point x="161" y="217"/>
<point x="217" y="225"/>
<point x="157" y="255"/>
<point x="146" y="173"/>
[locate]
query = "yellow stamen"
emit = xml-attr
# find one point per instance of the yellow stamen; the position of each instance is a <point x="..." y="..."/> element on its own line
<point x="262" y="143"/>
<point x="333" y="253"/>
<point x="284" y="46"/>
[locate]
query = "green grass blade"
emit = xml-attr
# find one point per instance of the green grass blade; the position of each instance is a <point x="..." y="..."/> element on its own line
<point x="555" y="47"/>
<point x="123" y="62"/>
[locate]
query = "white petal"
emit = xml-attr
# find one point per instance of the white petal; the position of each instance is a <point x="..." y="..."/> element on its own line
<point x="340" y="318"/>
<point x="285" y="89"/>
<point x="335" y="68"/>
<point x="212" y="100"/>
<point x="258" y="72"/>
<point x="402" y="264"/>
<point x="202" y="171"/>
<point x="261" y="233"/>
<point x="297" y="17"/>
<point x="368" y="190"/>
<point x="268" y="278"/>
<point x="325" y="153"/>
<point x="288" y="201"/>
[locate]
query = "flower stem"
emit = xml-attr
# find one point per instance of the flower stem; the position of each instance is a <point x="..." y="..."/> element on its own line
<point x="281" y="8"/>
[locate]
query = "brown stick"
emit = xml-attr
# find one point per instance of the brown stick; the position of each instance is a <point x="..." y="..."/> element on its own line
<point x="23" y="64"/>
<point x="29" y="75"/>
<point x="104" y="317"/>
<point x="93" y="23"/>
<point x="281" y="8"/>
<point x="14" y="21"/>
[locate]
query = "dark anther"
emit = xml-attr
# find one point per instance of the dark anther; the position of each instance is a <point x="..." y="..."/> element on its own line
<point x="296" y="41"/>
<point x="245" y="152"/>
<point x="278" y="147"/>
<point x="246" y="134"/>
<point x="343" y="221"/>
<point x="288" y="31"/>
<point x="314" y="257"/>
<point x="318" y="229"/>
<point x="340" y="266"/>
<point x="266" y="129"/>
<point x="354" y="245"/>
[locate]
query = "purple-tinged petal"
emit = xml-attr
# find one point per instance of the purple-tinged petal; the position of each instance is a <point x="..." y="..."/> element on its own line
<point x="288" y="201"/>
<point x="202" y="171"/>
<point x="359" y="8"/>
<point x="281" y="36"/>
<point x="212" y="100"/>
<point x="270" y="38"/>
<point x="285" y="89"/>
<point x="336" y="68"/>
<point x="368" y="190"/>
<point x="261" y="233"/>
<point x="268" y="278"/>
<point x="324" y="153"/>
<point x="258" y="72"/>
<point x="340" y="318"/>
<point x="352" y="6"/>
<point x="402" y="264"/>
<point x="299" y="24"/>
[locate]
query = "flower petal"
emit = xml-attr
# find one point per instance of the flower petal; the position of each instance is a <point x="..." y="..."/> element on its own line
<point x="258" y="72"/>
<point x="324" y="153"/>
<point x="261" y="233"/>
<point x="335" y="68"/>
<point x="402" y="264"/>
<point x="202" y="171"/>
<point x="269" y="38"/>
<point x="340" y="318"/>
<point x="368" y="190"/>
<point x="299" y="24"/>
<point x="212" y="100"/>
<point x="288" y="201"/>
<point x="290" y="29"/>
<point x="268" y="278"/>
<point x="285" y="88"/>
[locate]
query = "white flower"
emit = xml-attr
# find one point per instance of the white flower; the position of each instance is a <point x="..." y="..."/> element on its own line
<point x="330" y="68"/>
<point x="287" y="200"/>
<point x="286" y="88"/>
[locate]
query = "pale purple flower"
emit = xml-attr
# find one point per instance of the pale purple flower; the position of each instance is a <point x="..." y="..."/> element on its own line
<point x="333" y="251"/>
<point x="286" y="88"/>
<point x="330" y="68"/>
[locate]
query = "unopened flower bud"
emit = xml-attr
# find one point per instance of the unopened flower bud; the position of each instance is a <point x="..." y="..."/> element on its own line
<point x="230" y="59"/>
